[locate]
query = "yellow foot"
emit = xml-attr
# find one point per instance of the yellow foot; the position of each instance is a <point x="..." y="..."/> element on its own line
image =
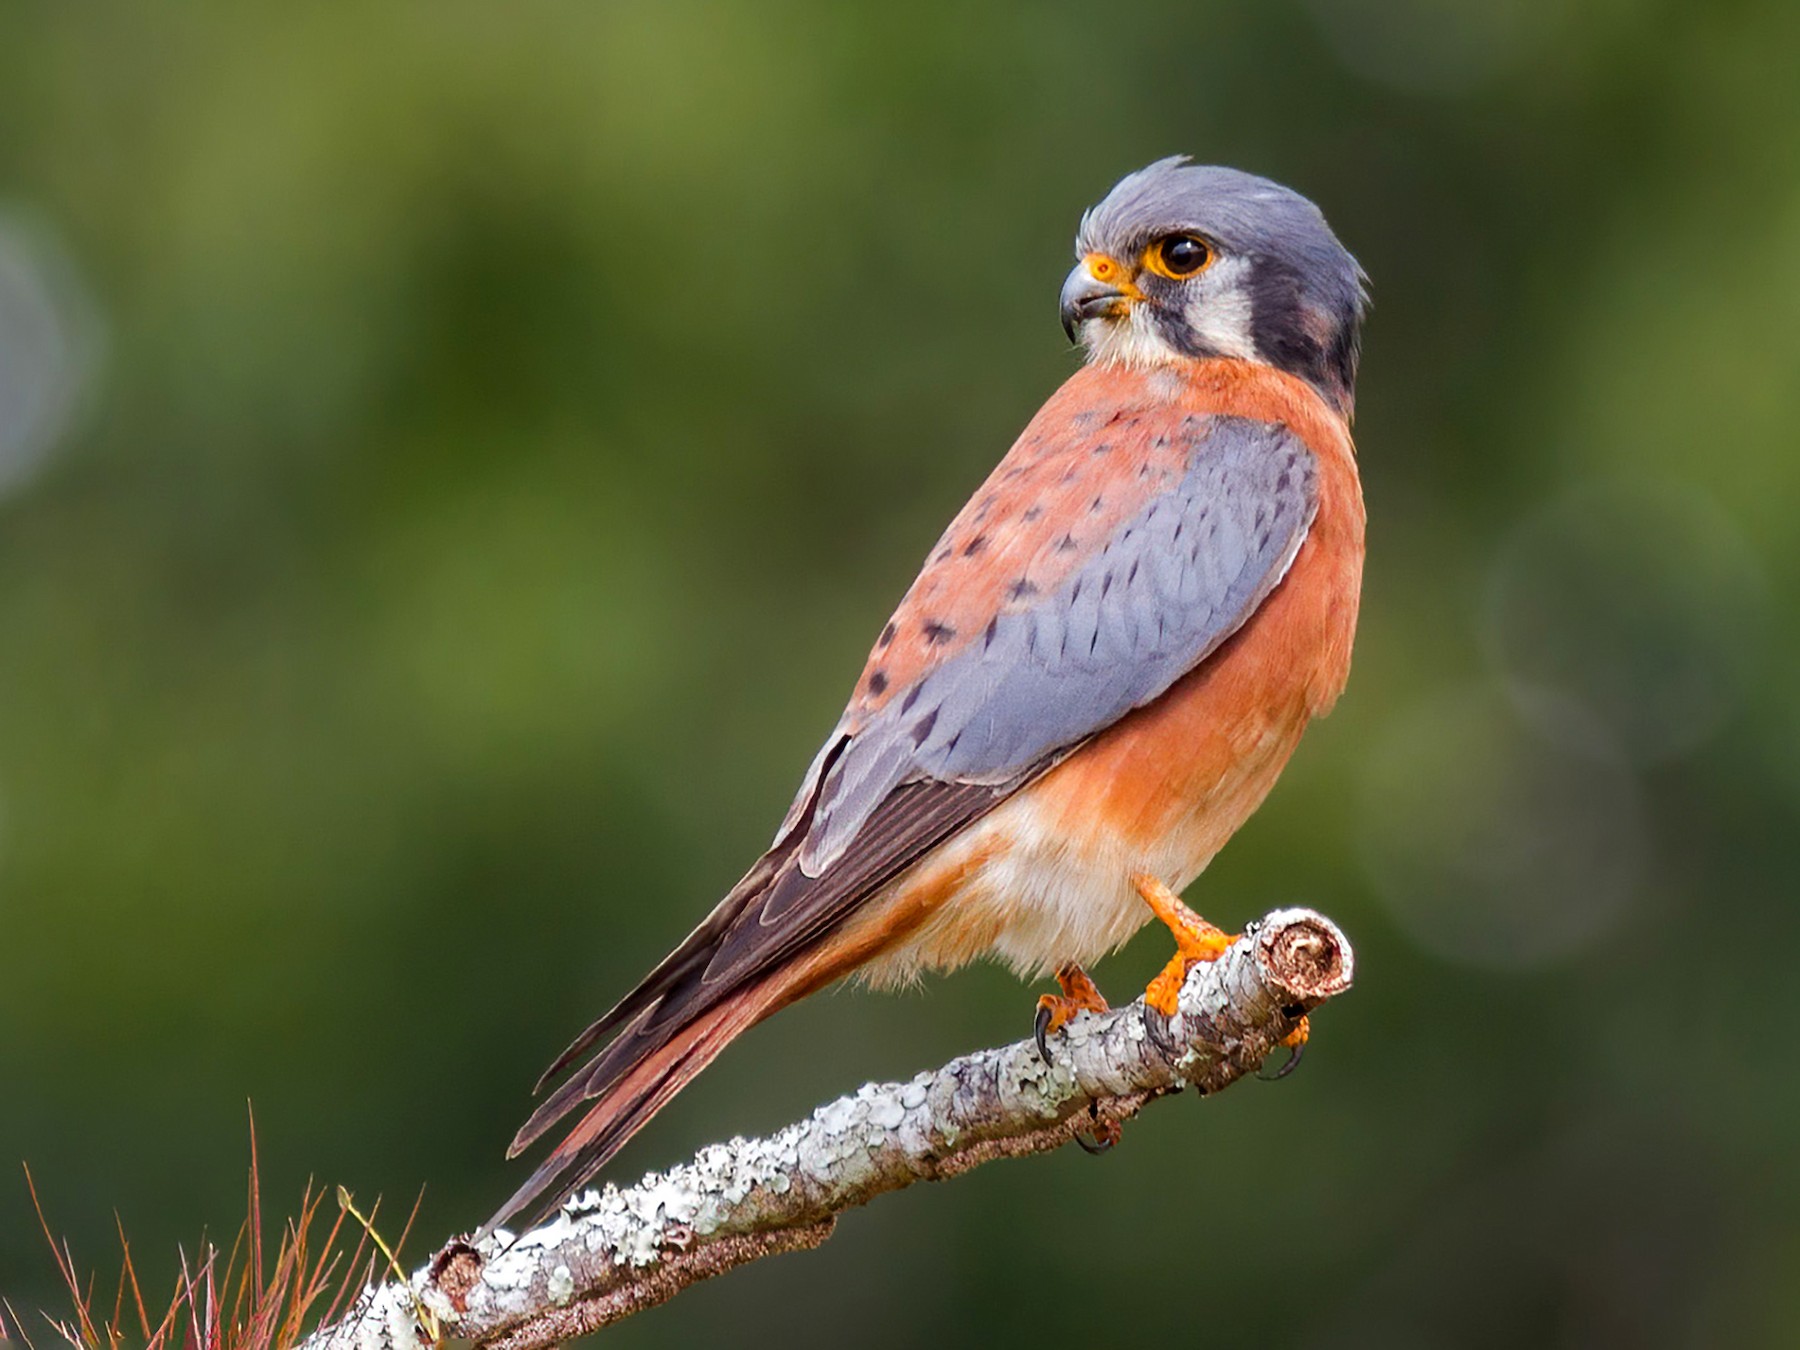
<point x="1196" y="940"/>
<point x="1079" y="995"/>
<point x="1054" y="1012"/>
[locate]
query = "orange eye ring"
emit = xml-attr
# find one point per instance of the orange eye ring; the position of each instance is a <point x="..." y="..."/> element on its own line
<point x="1178" y="256"/>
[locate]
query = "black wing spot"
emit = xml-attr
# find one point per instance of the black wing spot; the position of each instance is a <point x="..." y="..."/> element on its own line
<point x="943" y="556"/>
<point x="1022" y="589"/>
<point x="937" y="632"/>
<point x="1104" y="448"/>
<point x="887" y="635"/>
<point x="1067" y="544"/>
<point x="878" y="682"/>
<point x="976" y="544"/>
<point x="922" y="728"/>
<point x="1032" y="513"/>
<point x="1095" y="505"/>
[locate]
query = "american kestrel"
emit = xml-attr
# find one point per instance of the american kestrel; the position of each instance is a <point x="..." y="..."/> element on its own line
<point x="1096" y="678"/>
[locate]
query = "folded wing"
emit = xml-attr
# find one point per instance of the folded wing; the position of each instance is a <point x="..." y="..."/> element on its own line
<point x="1003" y="658"/>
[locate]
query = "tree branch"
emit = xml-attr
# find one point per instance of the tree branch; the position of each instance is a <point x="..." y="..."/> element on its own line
<point x="613" y="1252"/>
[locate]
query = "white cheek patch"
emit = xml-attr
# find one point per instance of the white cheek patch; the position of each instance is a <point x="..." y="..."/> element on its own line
<point x="1219" y="315"/>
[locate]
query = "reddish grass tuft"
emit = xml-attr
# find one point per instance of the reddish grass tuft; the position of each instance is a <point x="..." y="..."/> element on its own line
<point x="252" y="1301"/>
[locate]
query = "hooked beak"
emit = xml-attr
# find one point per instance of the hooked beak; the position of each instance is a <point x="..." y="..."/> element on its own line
<point x="1085" y="296"/>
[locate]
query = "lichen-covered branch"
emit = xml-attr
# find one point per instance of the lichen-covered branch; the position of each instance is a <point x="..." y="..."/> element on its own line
<point x="613" y="1252"/>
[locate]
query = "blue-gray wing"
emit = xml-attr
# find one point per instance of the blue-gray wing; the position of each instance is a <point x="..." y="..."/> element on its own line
<point x="1171" y="584"/>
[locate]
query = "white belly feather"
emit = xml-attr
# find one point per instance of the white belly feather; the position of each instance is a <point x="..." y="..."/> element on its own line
<point x="1041" y="899"/>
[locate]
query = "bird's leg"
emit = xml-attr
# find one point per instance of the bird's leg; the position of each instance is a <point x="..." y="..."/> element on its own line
<point x="1054" y="1011"/>
<point x="1079" y="995"/>
<point x="1196" y="940"/>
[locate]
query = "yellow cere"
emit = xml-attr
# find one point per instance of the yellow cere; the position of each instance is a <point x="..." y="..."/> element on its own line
<point x="1109" y="271"/>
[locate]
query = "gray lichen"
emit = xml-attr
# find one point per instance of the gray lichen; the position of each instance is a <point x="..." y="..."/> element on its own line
<point x="611" y="1251"/>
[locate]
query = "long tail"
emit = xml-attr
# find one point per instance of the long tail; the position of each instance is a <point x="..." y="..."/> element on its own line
<point x="627" y="1105"/>
<point x="778" y="936"/>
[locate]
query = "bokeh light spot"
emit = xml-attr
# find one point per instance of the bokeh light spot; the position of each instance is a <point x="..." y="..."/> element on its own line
<point x="1494" y="845"/>
<point x="48" y="344"/>
<point x="1639" y="600"/>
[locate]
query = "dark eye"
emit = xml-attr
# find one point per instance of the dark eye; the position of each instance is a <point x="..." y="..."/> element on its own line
<point x="1179" y="255"/>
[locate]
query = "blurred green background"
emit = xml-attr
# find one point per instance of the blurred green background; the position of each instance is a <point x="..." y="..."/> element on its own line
<point x="453" y="460"/>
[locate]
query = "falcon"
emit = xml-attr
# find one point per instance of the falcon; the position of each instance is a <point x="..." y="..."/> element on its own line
<point x="1093" y="682"/>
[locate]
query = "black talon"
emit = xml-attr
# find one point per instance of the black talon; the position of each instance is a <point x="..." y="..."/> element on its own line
<point x="1156" y="1027"/>
<point x="1040" y="1032"/>
<point x="1293" y="1060"/>
<point x="1094" y="1146"/>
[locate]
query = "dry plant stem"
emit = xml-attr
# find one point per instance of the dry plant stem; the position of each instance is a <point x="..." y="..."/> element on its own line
<point x="614" y="1252"/>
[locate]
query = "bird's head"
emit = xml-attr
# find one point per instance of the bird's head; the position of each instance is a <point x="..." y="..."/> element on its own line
<point x="1184" y="261"/>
